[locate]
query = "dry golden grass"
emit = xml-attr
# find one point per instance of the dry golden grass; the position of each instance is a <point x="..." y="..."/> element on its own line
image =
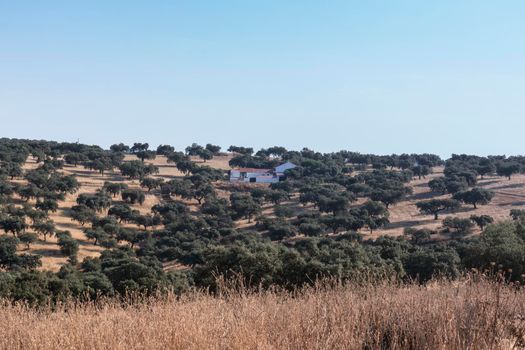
<point x="444" y="315"/>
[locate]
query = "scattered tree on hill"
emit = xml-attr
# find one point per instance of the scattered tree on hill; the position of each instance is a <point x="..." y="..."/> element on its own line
<point x="47" y="205"/>
<point x="375" y="215"/>
<point x="114" y="188"/>
<point x="68" y="246"/>
<point x="12" y="169"/>
<point x="486" y="167"/>
<point x="120" y="148"/>
<point x="164" y="150"/>
<point x="421" y="171"/>
<point x="419" y="236"/>
<point x="460" y="226"/>
<point x="151" y="183"/>
<point x="244" y="206"/>
<point x="508" y="169"/>
<point x="133" y="196"/>
<point x="389" y="196"/>
<point x="123" y="212"/>
<point x="475" y="196"/>
<point x="482" y="220"/>
<point x="194" y="149"/>
<point x="205" y="155"/>
<point x="137" y="170"/>
<point x="75" y="158"/>
<point x="438" y="185"/>
<point x="13" y="224"/>
<point x="82" y="213"/>
<point x="98" y="201"/>
<point x="214" y="149"/>
<point x="45" y="228"/>
<point x="27" y="238"/>
<point x="240" y="150"/>
<point x="517" y="214"/>
<point x="435" y="206"/>
<point x="138" y="147"/>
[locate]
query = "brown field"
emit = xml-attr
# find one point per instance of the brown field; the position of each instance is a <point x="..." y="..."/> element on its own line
<point x="471" y="314"/>
<point x="510" y="194"/>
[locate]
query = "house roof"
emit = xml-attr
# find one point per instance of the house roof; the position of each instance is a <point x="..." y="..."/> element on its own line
<point x="252" y="170"/>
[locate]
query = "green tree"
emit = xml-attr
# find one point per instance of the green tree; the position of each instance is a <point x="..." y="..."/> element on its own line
<point x="214" y="149"/>
<point x="13" y="224"/>
<point x="486" y="166"/>
<point x="164" y="150"/>
<point x="27" y="238"/>
<point x="45" y="228"/>
<point x="81" y="213"/>
<point x="375" y="215"/>
<point x="460" y="226"/>
<point x="475" y="196"/>
<point x="508" y="169"/>
<point x="68" y="246"/>
<point x="435" y="206"/>
<point x="482" y="220"/>
<point x="205" y="155"/>
<point x="114" y="188"/>
<point x="143" y="155"/>
<point x="151" y="183"/>
<point x="121" y="148"/>
<point x="517" y="214"/>
<point x="438" y="185"/>
<point x="133" y="196"/>
<point x="47" y="205"/>
<point x="244" y="206"/>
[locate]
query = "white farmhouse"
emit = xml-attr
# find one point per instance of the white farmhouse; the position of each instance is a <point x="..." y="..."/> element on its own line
<point x="260" y="175"/>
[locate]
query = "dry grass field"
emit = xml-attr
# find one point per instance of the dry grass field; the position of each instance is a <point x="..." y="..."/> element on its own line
<point x="469" y="314"/>
<point x="510" y="194"/>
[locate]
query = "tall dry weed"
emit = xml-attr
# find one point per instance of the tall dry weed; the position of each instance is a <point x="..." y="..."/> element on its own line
<point x="475" y="313"/>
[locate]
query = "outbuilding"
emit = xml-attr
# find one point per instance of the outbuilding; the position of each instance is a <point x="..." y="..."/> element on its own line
<point x="260" y="175"/>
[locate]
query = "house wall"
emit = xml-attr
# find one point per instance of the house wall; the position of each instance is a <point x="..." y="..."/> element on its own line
<point x="264" y="177"/>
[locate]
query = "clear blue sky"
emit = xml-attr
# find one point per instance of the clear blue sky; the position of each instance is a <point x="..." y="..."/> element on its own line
<point x="371" y="76"/>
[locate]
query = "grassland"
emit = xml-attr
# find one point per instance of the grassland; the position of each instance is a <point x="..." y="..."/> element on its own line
<point x="468" y="314"/>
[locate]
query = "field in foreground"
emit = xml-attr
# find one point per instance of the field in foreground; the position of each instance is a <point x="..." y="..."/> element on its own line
<point x="469" y="314"/>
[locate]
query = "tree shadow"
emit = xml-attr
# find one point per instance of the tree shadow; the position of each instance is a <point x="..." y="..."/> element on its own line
<point x="518" y="185"/>
<point x="422" y="196"/>
<point x="510" y="194"/>
<point x="512" y="204"/>
<point x="463" y="209"/>
<point x="488" y="182"/>
<point x="408" y="223"/>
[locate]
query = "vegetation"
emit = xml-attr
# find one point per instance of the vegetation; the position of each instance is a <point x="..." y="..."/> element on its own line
<point x="475" y="314"/>
<point x="325" y="219"/>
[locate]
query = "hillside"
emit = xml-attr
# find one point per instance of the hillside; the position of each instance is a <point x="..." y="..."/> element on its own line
<point x="90" y="181"/>
<point x="82" y="221"/>
<point x="509" y="194"/>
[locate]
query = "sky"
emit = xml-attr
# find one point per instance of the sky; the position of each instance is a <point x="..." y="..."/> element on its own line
<point x="369" y="76"/>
